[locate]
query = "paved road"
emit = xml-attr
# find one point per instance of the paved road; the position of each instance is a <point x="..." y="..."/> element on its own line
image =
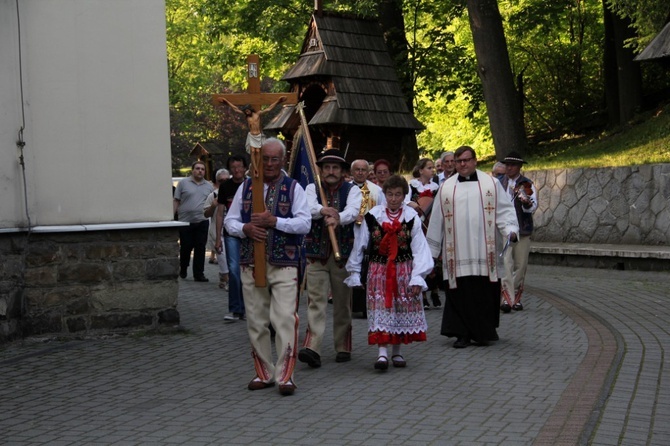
<point x="585" y="362"/>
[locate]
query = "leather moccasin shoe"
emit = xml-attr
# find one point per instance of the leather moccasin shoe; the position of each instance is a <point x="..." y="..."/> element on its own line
<point x="343" y="357"/>
<point x="257" y="384"/>
<point x="310" y="357"/>
<point x="287" y="389"/>
<point x="505" y="308"/>
<point x="517" y="307"/>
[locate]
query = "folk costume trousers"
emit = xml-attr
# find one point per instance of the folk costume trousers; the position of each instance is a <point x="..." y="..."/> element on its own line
<point x="275" y="304"/>
<point x="516" y="263"/>
<point x="322" y="278"/>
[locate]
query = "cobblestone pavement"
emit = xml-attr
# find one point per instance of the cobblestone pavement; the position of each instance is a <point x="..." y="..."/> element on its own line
<point x="584" y="362"/>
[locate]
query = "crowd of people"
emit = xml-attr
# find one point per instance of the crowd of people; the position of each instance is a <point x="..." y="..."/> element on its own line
<point x="367" y="239"/>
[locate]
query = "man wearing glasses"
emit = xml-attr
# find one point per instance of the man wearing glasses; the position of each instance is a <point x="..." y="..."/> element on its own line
<point x="280" y="227"/>
<point x="476" y="220"/>
<point x="371" y="196"/>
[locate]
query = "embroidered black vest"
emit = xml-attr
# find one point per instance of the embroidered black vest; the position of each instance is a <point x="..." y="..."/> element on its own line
<point x="416" y="194"/>
<point x="281" y="249"/>
<point x="317" y="242"/>
<point x="525" y="219"/>
<point x="376" y="235"/>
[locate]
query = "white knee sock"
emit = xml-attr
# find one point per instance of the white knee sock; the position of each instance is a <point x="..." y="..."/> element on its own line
<point x="382" y="351"/>
<point x="396" y="350"/>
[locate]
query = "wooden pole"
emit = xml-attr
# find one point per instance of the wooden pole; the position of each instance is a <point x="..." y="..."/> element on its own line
<point x="317" y="176"/>
<point x="257" y="207"/>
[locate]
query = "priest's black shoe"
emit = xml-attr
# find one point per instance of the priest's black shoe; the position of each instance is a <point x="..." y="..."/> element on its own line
<point x="343" y="357"/>
<point x="461" y="343"/>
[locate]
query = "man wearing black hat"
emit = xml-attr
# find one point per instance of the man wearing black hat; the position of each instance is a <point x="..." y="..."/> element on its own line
<point x="523" y="194"/>
<point x="324" y="272"/>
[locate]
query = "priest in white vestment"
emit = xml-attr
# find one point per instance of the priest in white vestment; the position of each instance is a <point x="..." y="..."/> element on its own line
<point x="472" y="222"/>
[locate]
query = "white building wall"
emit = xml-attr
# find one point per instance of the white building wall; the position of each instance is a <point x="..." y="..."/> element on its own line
<point x="95" y="100"/>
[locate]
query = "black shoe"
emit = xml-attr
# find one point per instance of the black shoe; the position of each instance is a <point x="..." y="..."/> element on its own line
<point x="436" y="300"/>
<point x="461" y="343"/>
<point x="505" y="308"/>
<point x="200" y="279"/>
<point x="310" y="357"/>
<point x="426" y="305"/>
<point x="517" y="306"/>
<point x="182" y="273"/>
<point x="382" y="363"/>
<point x="343" y="357"/>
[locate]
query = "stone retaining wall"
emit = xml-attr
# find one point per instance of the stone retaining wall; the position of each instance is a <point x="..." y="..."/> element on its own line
<point x="621" y="205"/>
<point x="87" y="282"/>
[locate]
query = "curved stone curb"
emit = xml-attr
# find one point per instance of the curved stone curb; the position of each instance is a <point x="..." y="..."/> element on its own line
<point x="575" y="415"/>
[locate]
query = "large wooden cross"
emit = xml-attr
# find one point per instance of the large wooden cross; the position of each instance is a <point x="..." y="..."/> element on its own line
<point x="254" y="98"/>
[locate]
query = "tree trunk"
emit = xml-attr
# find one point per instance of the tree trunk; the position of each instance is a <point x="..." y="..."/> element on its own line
<point x="493" y="67"/>
<point x="610" y="67"/>
<point x="392" y="22"/>
<point x="629" y="75"/>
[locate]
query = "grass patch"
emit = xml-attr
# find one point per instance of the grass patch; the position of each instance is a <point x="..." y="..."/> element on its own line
<point x="645" y="140"/>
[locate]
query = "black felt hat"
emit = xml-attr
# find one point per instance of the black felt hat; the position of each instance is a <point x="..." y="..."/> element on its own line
<point x="331" y="156"/>
<point x="513" y="158"/>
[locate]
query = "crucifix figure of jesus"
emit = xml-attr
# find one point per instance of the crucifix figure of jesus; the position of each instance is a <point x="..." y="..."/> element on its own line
<point x="253" y="100"/>
<point x="255" y="136"/>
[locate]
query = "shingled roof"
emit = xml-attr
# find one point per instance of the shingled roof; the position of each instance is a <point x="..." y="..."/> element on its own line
<point x="659" y="47"/>
<point x="352" y="53"/>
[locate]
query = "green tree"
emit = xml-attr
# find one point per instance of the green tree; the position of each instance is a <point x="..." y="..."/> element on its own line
<point x="493" y="65"/>
<point x="647" y="17"/>
<point x="556" y="54"/>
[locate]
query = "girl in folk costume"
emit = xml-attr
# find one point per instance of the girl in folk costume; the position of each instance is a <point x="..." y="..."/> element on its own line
<point x="398" y="261"/>
<point x="422" y="191"/>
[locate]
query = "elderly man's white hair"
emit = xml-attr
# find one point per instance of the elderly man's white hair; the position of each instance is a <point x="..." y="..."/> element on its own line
<point x="222" y="172"/>
<point x="361" y="160"/>
<point x="275" y="141"/>
<point x="445" y="154"/>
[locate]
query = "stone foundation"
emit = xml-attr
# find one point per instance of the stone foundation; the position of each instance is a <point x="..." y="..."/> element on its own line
<point x="82" y="283"/>
<point x="618" y="205"/>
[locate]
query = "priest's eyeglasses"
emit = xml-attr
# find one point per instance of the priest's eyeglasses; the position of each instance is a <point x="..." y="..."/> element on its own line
<point x="463" y="160"/>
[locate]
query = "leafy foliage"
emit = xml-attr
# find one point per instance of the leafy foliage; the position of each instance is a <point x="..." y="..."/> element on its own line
<point x="647" y="16"/>
<point x="555" y="47"/>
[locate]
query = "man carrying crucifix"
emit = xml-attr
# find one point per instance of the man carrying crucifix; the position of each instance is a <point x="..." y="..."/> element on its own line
<point x="255" y="136"/>
<point x="278" y="228"/>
